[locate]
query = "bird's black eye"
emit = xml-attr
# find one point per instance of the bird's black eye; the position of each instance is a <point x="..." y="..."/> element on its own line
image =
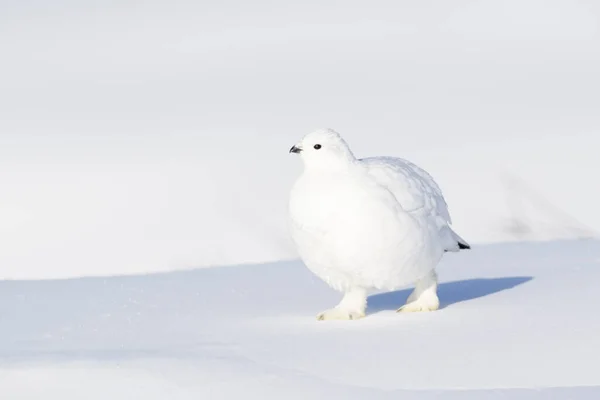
<point x="317" y="146"/>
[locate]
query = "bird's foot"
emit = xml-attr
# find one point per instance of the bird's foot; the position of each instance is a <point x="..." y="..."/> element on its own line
<point x="339" y="314"/>
<point x="423" y="304"/>
<point x="424" y="297"/>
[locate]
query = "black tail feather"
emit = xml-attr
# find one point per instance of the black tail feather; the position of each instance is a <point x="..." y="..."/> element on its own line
<point x="463" y="246"/>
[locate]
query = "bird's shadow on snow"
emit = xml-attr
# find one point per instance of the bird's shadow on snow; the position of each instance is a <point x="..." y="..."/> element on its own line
<point x="449" y="292"/>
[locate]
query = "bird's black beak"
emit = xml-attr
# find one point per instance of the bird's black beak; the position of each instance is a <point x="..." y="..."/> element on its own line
<point x="295" y="149"/>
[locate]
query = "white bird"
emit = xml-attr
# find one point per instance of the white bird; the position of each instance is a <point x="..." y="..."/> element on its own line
<point x="373" y="223"/>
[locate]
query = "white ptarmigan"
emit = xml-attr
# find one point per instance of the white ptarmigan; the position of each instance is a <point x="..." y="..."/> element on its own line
<point x="373" y="223"/>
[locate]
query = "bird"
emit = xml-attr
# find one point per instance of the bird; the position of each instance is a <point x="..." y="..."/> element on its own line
<point x="377" y="223"/>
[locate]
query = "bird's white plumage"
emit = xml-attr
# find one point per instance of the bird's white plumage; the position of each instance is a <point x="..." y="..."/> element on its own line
<point x="378" y="222"/>
<point x="416" y="191"/>
<point x="414" y="188"/>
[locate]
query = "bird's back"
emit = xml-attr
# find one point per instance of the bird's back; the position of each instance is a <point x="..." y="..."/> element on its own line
<point x="418" y="194"/>
<point x="413" y="187"/>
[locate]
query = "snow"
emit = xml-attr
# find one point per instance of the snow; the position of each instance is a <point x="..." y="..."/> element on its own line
<point x="153" y="136"/>
<point x="517" y="321"/>
<point x="142" y="143"/>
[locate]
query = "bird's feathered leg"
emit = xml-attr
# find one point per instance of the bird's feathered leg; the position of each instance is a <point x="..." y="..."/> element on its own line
<point x="424" y="297"/>
<point x="352" y="306"/>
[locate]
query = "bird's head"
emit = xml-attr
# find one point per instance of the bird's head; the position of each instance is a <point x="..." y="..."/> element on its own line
<point x="323" y="149"/>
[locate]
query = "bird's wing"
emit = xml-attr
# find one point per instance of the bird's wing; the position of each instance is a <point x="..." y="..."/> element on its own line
<point x="415" y="189"/>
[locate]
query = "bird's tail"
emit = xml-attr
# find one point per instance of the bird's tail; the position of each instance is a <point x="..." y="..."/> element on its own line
<point x="457" y="242"/>
<point x="464" y="246"/>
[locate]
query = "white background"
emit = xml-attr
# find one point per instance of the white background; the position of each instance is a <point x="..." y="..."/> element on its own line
<point x="141" y="136"/>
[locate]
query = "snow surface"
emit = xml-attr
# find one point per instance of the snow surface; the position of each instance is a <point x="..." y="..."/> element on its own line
<point x="141" y="141"/>
<point x="518" y="321"/>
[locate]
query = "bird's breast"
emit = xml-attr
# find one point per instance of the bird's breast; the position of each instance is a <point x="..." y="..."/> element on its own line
<point x="318" y="202"/>
<point x="343" y="210"/>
